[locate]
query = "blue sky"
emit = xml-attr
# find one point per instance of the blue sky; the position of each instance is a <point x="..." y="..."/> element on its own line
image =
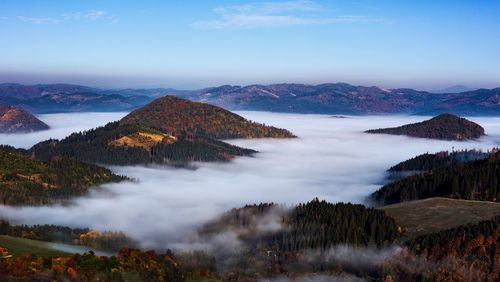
<point x="190" y="44"/>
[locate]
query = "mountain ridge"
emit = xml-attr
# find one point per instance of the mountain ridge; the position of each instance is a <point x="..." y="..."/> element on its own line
<point x="326" y="98"/>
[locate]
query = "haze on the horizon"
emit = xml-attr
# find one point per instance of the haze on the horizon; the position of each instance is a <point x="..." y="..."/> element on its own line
<point x="419" y="44"/>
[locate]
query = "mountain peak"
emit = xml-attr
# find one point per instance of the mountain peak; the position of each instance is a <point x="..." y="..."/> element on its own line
<point x="15" y="120"/>
<point x="454" y="89"/>
<point x="174" y="115"/>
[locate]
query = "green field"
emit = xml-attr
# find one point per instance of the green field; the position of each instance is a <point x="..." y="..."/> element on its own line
<point x="18" y="246"/>
<point x="435" y="214"/>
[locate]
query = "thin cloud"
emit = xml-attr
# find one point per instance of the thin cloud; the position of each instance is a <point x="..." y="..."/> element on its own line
<point x="39" y="20"/>
<point x="274" y="14"/>
<point x="270" y="7"/>
<point x="90" y="15"/>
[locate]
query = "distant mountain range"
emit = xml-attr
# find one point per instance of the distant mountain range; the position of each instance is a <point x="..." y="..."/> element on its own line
<point x="331" y="98"/>
<point x="454" y="89"/>
<point x="53" y="98"/>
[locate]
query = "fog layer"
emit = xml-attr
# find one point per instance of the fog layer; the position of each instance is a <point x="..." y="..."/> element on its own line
<point x="332" y="159"/>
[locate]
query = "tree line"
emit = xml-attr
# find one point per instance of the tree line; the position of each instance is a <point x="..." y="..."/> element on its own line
<point x="25" y="180"/>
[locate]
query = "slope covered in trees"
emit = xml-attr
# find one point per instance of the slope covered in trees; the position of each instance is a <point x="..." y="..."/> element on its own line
<point x="443" y="127"/>
<point x="135" y="265"/>
<point x="305" y="244"/>
<point x="316" y="224"/>
<point x="134" y="144"/>
<point x="50" y="233"/>
<point x="108" y="241"/>
<point x="428" y="161"/>
<point x="470" y="252"/>
<point x="14" y="120"/>
<point x="267" y="250"/>
<point x="175" y="116"/>
<point x="273" y="240"/>
<point x="28" y="181"/>
<point x="476" y="180"/>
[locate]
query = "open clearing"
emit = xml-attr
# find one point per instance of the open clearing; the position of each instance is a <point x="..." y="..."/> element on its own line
<point x="435" y="214"/>
<point x="18" y="246"/>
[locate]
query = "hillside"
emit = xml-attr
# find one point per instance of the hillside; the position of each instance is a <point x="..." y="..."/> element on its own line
<point x="316" y="224"/>
<point x="264" y="250"/>
<point x="106" y="241"/>
<point x="428" y="161"/>
<point x="176" y="116"/>
<point x="443" y="127"/>
<point x="20" y="246"/>
<point x="275" y="240"/>
<point x="27" y="181"/>
<point x="133" y="145"/>
<point x="437" y="214"/>
<point x="476" y="180"/>
<point x="314" y="240"/>
<point x="14" y="120"/>
<point x="465" y="253"/>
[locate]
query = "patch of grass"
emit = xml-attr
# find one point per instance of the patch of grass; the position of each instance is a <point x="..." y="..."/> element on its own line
<point x="20" y="246"/>
<point x="436" y="214"/>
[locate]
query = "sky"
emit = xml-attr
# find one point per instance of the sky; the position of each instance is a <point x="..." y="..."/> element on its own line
<point x="192" y="44"/>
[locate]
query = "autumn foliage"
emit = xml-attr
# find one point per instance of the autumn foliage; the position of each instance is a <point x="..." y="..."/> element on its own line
<point x="175" y="115"/>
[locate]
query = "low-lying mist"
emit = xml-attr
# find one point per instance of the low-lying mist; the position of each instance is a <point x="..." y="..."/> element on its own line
<point x="332" y="159"/>
<point x="61" y="125"/>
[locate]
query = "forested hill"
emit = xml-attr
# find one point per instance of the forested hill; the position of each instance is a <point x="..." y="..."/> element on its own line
<point x="274" y="240"/>
<point x="27" y="181"/>
<point x="470" y="252"/>
<point x="313" y="225"/>
<point x="267" y="241"/>
<point x="14" y="120"/>
<point x="428" y="161"/>
<point x="133" y="144"/>
<point x="175" y="116"/>
<point x="476" y="180"/>
<point x="443" y="127"/>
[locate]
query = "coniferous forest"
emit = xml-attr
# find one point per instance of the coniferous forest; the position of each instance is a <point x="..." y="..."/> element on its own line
<point x="306" y="241"/>
<point x="99" y="146"/>
<point x="442" y="127"/>
<point x="25" y="180"/>
<point x="428" y="161"/>
<point x="475" y="180"/>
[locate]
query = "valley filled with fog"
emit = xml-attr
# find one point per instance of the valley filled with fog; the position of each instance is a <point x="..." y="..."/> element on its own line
<point x="332" y="159"/>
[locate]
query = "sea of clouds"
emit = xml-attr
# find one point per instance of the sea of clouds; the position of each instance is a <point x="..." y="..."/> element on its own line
<point x="332" y="159"/>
